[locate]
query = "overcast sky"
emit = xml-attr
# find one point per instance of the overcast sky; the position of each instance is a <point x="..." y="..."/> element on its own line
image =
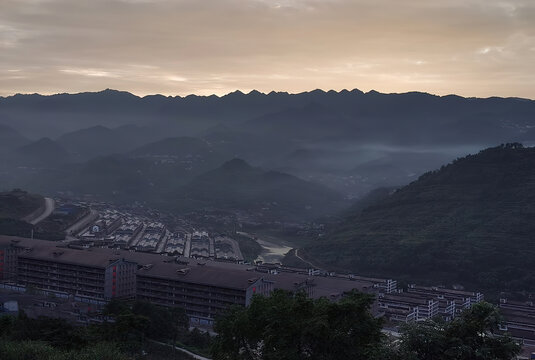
<point x="178" y="47"/>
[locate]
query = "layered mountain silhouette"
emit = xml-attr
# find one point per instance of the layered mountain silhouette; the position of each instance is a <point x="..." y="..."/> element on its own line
<point x="180" y="147"/>
<point x="400" y="118"/>
<point x="10" y="139"/>
<point x="136" y="175"/>
<point x="236" y="185"/>
<point x="42" y="153"/>
<point x="99" y="140"/>
<point x="350" y="141"/>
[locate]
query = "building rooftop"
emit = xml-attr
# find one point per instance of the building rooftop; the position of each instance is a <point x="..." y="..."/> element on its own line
<point x="206" y="272"/>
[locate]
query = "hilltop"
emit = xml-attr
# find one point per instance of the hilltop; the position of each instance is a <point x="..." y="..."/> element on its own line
<point x="236" y="185"/>
<point x="41" y="153"/>
<point x="472" y="222"/>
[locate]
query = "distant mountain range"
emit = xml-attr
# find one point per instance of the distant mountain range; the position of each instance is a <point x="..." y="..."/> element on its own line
<point x="349" y="141"/>
<point x="98" y="140"/>
<point x="397" y="118"/>
<point x="471" y="222"/>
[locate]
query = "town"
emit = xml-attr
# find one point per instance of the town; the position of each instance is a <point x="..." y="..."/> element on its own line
<point x="101" y="225"/>
<point x="111" y="253"/>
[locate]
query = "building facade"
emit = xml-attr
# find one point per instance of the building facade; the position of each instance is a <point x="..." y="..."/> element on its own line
<point x="203" y="288"/>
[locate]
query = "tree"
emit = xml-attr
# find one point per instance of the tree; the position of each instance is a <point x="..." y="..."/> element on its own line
<point x="293" y="326"/>
<point x="22" y="350"/>
<point x="164" y="323"/>
<point x="472" y="336"/>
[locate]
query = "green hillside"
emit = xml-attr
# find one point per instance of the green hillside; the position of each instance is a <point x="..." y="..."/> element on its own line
<point x="471" y="223"/>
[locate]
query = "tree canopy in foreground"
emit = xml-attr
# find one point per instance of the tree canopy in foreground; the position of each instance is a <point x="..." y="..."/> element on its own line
<point x="295" y="327"/>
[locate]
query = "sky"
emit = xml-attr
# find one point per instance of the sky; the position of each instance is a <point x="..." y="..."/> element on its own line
<point x="179" y="47"/>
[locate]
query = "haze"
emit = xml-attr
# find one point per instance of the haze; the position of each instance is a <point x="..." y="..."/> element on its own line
<point x="469" y="47"/>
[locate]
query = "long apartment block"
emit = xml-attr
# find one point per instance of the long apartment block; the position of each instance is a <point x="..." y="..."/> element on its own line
<point x="204" y="288"/>
<point x="519" y="320"/>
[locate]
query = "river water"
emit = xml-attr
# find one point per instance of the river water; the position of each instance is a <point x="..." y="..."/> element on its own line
<point x="271" y="251"/>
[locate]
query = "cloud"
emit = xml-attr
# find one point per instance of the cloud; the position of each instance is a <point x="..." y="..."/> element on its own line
<point x="471" y="47"/>
<point x="176" y="78"/>
<point x="90" y="72"/>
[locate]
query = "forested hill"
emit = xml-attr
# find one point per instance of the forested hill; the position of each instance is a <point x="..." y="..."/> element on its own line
<point x="238" y="185"/>
<point x="17" y="204"/>
<point x="472" y="223"/>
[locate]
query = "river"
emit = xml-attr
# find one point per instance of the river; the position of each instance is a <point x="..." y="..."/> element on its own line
<point x="271" y="251"/>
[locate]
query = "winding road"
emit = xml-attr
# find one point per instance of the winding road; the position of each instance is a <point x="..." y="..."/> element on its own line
<point x="81" y="224"/>
<point x="49" y="208"/>
<point x="305" y="261"/>
<point x="195" y="356"/>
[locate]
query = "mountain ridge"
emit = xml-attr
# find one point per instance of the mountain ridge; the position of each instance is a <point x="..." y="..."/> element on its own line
<point x="255" y="92"/>
<point x="236" y="185"/>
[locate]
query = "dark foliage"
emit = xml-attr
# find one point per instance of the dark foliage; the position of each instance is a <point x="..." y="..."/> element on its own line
<point x="471" y="223"/>
<point x="469" y="337"/>
<point x="131" y="332"/>
<point x="284" y="326"/>
<point x="288" y="327"/>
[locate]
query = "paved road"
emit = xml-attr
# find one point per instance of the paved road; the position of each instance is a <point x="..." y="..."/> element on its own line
<point x="161" y="245"/>
<point x="195" y="356"/>
<point x="272" y="251"/>
<point x="211" y="247"/>
<point x="49" y="208"/>
<point x="187" y="245"/>
<point x="134" y="240"/>
<point x="305" y="261"/>
<point x="81" y="224"/>
<point x="236" y="248"/>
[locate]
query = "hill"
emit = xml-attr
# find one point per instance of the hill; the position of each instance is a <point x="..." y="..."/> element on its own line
<point x="372" y="115"/>
<point x="138" y="175"/>
<point x="15" y="207"/>
<point x="311" y="122"/>
<point x="98" y="140"/>
<point x="238" y="186"/>
<point x="42" y="153"/>
<point x="400" y="119"/>
<point x="472" y="223"/>
<point x="346" y="128"/>
<point x="116" y="177"/>
<point x="17" y="204"/>
<point x="399" y="168"/>
<point x="179" y="147"/>
<point x="10" y="139"/>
